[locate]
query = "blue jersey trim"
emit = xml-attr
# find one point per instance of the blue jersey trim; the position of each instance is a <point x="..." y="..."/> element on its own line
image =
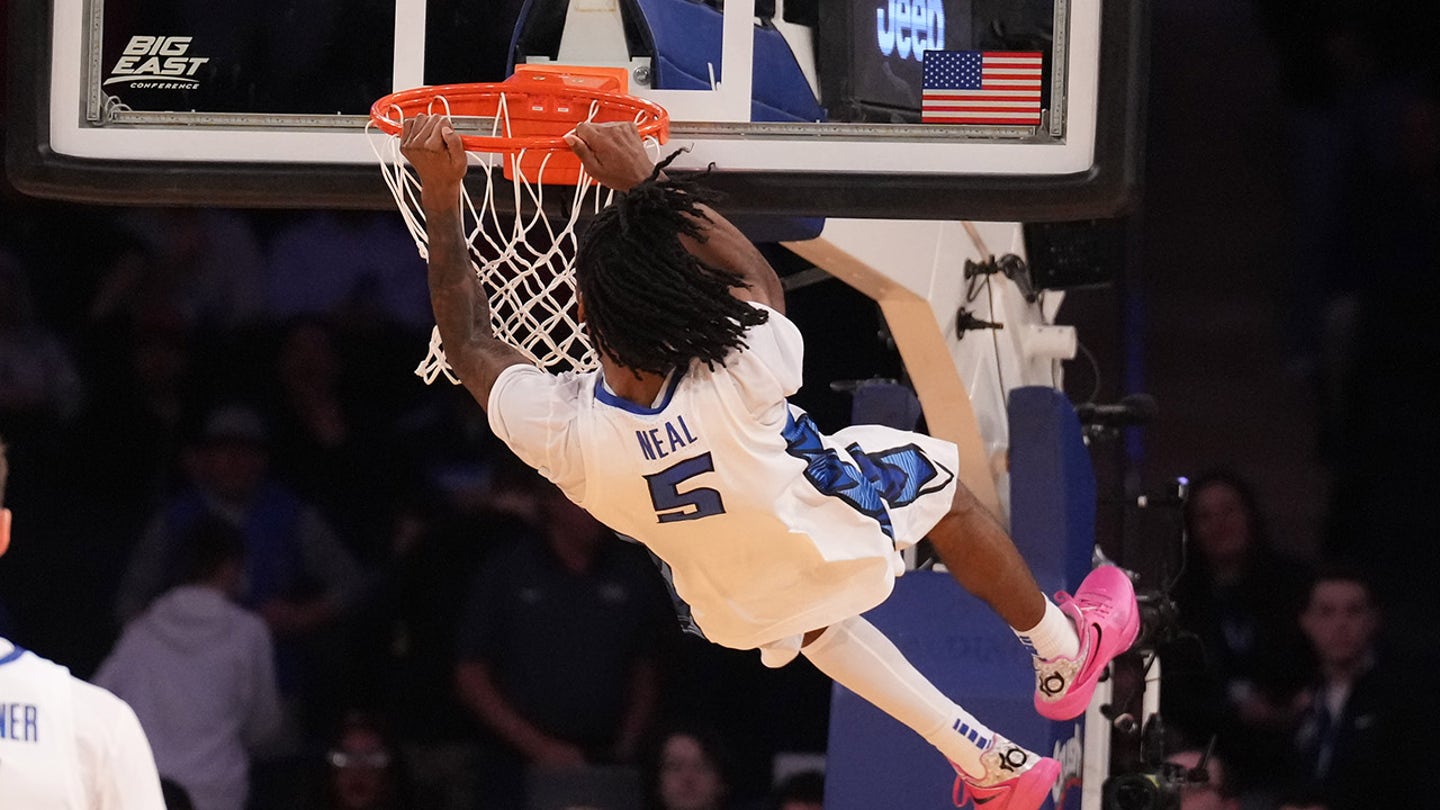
<point x="13" y="655"/>
<point x="615" y="400"/>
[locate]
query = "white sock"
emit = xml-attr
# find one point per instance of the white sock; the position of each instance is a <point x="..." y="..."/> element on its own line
<point x="1053" y="637"/>
<point x="858" y="656"/>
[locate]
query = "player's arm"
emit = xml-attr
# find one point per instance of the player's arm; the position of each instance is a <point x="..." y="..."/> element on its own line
<point x="615" y="156"/>
<point x="728" y="249"/>
<point x="462" y="312"/>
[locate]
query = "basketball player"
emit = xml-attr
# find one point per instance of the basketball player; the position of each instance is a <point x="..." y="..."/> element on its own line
<point x="777" y="536"/>
<point x="65" y="744"/>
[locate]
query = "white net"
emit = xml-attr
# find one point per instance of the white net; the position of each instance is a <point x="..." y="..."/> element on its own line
<point x="525" y="261"/>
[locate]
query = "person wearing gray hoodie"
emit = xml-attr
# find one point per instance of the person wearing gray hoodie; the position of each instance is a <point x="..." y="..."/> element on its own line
<point x="199" y="671"/>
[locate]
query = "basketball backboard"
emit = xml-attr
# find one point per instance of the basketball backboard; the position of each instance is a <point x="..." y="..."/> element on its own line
<point x="262" y="104"/>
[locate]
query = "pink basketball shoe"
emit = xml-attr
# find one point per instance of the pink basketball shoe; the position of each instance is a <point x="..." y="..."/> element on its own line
<point x="1033" y="776"/>
<point x="1107" y="620"/>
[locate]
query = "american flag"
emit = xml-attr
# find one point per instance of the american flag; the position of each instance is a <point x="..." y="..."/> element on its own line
<point x="982" y="87"/>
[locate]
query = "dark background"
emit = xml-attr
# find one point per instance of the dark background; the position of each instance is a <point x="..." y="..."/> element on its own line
<point x="1278" y="297"/>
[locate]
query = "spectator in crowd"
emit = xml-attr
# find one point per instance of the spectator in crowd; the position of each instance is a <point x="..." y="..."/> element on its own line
<point x="298" y="575"/>
<point x="1361" y="715"/>
<point x="689" y="769"/>
<point x="760" y="712"/>
<point x="93" y="752"/>
<point x="205" y="261"/>
<point x="1363" y="133"/>
<point x="1240" y="597"/>
<point x="361" y="273"/>
<point x="200" y="672"/>
<point x="330" y="440"/>
<point x="40" y="388"/>
<point x="363" y="768"/>
<point x="290" y="548"/>
<point x="142" y="374"/>
<point x="39" y="385"/>
<point x="413" y="621"/>
<point x="41" y="393"/>
<point x="560" y="649"/>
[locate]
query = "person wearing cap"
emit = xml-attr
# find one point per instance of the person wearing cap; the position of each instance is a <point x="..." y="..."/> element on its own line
<point x="298" y="574"/>
<point x="287" y="540"/>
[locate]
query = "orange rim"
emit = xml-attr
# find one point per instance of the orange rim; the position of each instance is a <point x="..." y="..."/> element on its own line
<point x="483" y="100"/>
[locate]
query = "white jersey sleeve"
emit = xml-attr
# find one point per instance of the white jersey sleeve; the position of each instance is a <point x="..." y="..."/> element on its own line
<point x="533" y="412"/>
<point x="769" y="368"/>
<point x="116" y="763"/>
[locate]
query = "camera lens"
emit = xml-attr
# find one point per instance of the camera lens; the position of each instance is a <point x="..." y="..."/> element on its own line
<point x="1138" y="791"/>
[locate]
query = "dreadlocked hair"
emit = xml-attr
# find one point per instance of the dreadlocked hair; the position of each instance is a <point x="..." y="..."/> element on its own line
<point x="650" y="303"/>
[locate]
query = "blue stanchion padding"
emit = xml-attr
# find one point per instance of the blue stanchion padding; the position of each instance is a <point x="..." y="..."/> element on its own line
<point x="963" y="647"/>
<point x="873" y="761"/>
<point x="688" y="37"/>
<point x="890" y="404"/>
<point x="772" y="228"/>
<point x="1052" y="487"/>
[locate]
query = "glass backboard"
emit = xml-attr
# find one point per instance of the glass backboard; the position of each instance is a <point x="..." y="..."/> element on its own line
<point x="1021" y="110"/>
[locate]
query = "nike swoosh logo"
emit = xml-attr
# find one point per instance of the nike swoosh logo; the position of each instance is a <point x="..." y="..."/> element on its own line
<point x="1090" y="654"/>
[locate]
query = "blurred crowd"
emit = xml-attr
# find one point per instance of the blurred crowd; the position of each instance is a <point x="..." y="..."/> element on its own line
<point x="318" y="582"/>
<point x="1286" y="670"/>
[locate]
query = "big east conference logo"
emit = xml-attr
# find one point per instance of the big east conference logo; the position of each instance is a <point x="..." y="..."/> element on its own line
<point x="157" y="63"/>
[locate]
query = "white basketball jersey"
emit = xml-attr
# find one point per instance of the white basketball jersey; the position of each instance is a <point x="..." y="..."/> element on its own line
<point x="769" y="527"/>
<point x="40" y="765"/>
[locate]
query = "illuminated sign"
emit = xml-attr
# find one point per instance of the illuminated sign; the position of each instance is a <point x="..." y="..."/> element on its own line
<point x="909" y="28"/>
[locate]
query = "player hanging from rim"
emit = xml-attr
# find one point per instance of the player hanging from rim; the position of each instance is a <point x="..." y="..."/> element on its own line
<point x="777" y="536"/>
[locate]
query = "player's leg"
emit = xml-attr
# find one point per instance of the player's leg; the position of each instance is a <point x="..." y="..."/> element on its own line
<point x="856" y="654"/>
<point x="983" y="559"/>
<point x="1072" y="641"/>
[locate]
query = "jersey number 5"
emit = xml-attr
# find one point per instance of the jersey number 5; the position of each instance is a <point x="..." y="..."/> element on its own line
<point x="671" y="504"/>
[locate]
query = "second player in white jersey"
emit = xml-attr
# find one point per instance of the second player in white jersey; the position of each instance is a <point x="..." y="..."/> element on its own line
<point x="66" y="744"/>
<point x="769" y="527"/>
